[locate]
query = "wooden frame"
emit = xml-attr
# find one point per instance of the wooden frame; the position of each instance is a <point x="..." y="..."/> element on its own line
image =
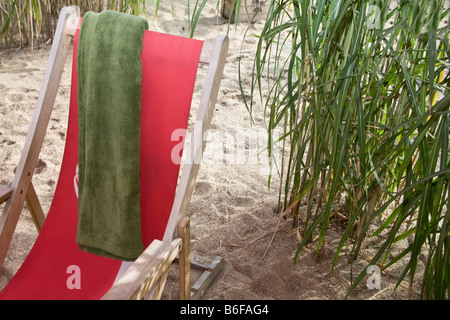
<point x="145" y="278"/>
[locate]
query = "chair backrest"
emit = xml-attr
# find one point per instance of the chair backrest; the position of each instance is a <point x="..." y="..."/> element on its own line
<point x="169" y="67"/>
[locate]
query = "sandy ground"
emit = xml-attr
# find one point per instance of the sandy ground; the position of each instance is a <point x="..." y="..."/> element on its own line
<point x="233" y="212"/>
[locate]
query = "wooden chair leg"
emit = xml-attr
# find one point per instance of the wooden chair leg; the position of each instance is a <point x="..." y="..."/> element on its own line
<point x="186" y="264"/>
<point x="184" y="232"/>
<point x="158" y="289"/>
<point x="209" y="274"/>
<point x="5" y="193"/>
<point x="34" y="206"/>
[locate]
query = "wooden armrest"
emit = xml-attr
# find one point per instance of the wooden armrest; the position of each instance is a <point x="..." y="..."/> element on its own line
<point x="141" y="276"/>
<point x="5" y="193"/>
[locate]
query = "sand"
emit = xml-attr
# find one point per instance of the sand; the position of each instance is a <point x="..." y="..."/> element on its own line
<point x="233" y="210"/>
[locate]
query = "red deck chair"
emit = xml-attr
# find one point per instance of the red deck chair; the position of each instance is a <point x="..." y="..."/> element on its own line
<point x="55" y="268"/>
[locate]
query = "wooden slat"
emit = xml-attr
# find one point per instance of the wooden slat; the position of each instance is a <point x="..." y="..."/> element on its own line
<point x="196" y="264"/>
<point x="142" y="275"/>
<point x="5" y="193"/>
<point x="208" y="274"/>
<point x="35" y="137"/>
<point x="185" y="259"/>
<point x="207" y="277"/>
<point x="35" y="208"/>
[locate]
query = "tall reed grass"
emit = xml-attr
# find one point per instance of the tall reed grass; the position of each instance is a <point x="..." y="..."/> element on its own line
<point x="360" y="90"/>
<point x="29" y="22"/>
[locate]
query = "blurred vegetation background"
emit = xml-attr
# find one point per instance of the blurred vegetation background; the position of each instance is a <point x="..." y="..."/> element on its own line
<point x="31" y="22"/>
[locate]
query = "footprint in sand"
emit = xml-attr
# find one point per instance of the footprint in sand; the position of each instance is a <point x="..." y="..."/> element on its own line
<point x="203" y="187"/>
<point x="15" y="97"/>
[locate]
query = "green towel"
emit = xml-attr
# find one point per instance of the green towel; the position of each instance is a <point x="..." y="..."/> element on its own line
<point x="109" y="102"/>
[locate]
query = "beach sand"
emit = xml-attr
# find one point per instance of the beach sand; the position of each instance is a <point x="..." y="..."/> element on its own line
<point x="233" y="211"/>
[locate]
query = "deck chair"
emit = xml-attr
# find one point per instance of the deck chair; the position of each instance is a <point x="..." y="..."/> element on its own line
<point x="55" y="267"/>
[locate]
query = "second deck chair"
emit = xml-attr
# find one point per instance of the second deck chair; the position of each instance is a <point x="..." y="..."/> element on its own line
<point x="55" y="268"/>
